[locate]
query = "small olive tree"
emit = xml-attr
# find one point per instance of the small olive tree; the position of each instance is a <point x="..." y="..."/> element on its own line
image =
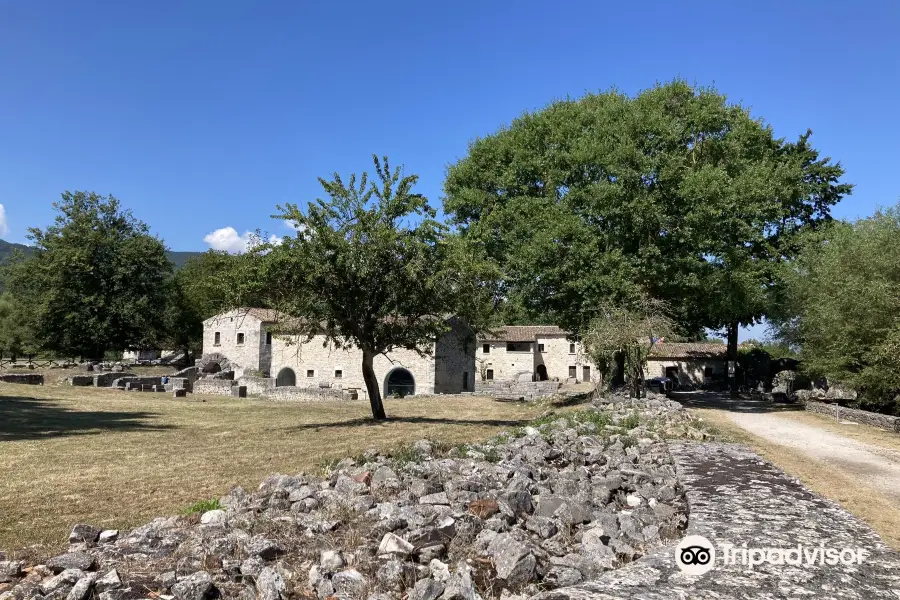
<point x="628" y="331"/>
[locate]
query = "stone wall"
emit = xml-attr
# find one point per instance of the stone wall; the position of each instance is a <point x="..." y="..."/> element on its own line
<point x="25" y="378"/>
<point x="229" y="325"/>
<point x="179" y="383"/>
<point x="257" y="385"/>
<point x="316" y="363"/>
<point x="305" y="394"/>
<point x="106" y="379"/>
<point x="555" y="356"/>
<point x="454" y="361"/>
<point x="690" y="371"/>
<point x="81" y="380"/>
<point x="852" y="414"/>
<point x="213" y="387"/>
<point x="529" y="390"/>
<point x="120" y="382"/>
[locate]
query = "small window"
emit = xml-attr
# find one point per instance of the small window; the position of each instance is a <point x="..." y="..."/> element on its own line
<point x="268" y="338"/>
<point x="240" y="339"/>
<point x="572" y="371"/>
<point x="310" y="373"/>
<point x="218" y="339"/>
<point x="571" y="348"/>
<point x="518" y="346"/>
<point x="707" y="372"/>
<point x="338" y="373"/>
<point x="489" y="375"/>
<point x="540" y="347"/>
<point x="485" y="348"/>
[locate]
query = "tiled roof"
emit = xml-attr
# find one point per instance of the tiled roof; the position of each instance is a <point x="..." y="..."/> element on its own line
<point x="520" y="333"/>
<point x="689" y="350"/>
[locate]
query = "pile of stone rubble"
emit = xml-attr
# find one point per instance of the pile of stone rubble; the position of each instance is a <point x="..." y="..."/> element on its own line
<point x="551" y="505"/>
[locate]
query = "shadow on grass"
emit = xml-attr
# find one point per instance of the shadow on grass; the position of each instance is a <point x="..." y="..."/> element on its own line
<point x="23" y="418"/>
<point x="368" y="421"/>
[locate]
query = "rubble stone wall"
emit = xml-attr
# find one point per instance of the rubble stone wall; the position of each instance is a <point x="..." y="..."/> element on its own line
<point x="529" y="390"/>
<point x="213" y="387"/>
<point x="852" y="414"/>
<point x="25" y="378"/>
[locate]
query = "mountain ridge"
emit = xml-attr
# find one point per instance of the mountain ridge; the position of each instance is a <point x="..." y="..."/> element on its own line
<point x="178" y="257"/>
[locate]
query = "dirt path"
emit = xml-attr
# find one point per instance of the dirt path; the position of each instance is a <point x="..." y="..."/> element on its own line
<point x="872" y="463"/>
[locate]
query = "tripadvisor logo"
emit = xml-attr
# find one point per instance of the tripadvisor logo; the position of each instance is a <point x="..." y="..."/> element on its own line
<point x="696" y="555"/>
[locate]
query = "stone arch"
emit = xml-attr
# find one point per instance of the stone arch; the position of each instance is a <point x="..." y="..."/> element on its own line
<point x="399" y="381"/>
<point x="541" y="374"/>
<point x="286" y="377"/>
<point x="214" y="363"/>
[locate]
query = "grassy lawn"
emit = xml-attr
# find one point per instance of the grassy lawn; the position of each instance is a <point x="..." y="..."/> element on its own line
<point x="117" y="459"/>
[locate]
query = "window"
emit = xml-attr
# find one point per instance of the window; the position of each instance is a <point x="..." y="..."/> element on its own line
<point x="218" y="339"/>
<point x="310" y="373"/>
<point x="585" y="373"/>
<point x="489" y="375"/>
<point x="571" y="348"/>
<point x="518" y="346"/>
<point x="338" y="373"/>
<point x="707" y="372"/>
<point x="540" y="347"/>
<point x="572" y="372"/>
<point x="465" y="380"/>
<point x="240" y="339"/>
<point x="485" y="348"/>
<point x="268" y="338"/>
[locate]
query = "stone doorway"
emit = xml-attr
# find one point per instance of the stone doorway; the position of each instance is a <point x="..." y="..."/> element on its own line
<point x="399" y="382"/>
<point x="286" y="377"/>
<point x="542" y="373"/>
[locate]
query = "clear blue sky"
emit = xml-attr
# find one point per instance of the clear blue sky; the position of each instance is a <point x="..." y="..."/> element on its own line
<point x="203" y="115"/>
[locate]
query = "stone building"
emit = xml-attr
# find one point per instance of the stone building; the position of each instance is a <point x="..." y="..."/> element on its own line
<point x="532" y="353"/>
<point x="244" y="336"/>
<point x="699" y="363"/>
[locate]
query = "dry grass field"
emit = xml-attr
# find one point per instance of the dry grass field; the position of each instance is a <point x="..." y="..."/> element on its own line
<point x="117" y="459"/>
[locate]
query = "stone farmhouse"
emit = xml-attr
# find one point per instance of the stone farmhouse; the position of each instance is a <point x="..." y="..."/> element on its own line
<point x="698" y="363"/>
<point x="244" y="336"/>
<point x="532" y="353"/>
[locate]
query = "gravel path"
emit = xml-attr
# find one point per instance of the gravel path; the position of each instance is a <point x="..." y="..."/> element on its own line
<point x="877" y="466"/>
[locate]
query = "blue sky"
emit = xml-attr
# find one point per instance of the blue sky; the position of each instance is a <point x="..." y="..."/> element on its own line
<point x="204" y="115"/>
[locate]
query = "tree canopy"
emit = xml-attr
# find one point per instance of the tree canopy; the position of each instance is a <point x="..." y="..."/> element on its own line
<point x="841" y="305"/>
<point x="675" y="193"/>
<point x="370" y="267"/>
<point x="96" y="281"/>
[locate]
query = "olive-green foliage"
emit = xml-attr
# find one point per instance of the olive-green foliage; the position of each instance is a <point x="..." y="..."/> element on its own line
<point x="842" y="304"/>
<point x="16" y="337"/>
<point x="674" y="192"/>
<point x="628" y="330"/>
<point x="203" y="506"/>
<point x="96" y="281"/>
<point x="370" y="267"/>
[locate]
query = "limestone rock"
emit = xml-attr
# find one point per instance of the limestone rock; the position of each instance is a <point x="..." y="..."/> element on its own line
<point x="71" y="560"/>
<point x="193" y="587"/>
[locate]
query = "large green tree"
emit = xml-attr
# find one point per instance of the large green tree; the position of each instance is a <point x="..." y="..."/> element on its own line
<point x="370" y="268"/>
<point x="674" y="192"/>
<point x="96" y="281"/>
<point x="841" y="305"/>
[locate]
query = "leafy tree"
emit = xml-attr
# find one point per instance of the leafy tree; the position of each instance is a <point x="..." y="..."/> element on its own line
<point x="842" y="306"/>
<point x="16" y="337"/>
<point x="674" y="192"/>
<point x="370" y="268"/>
<point x="96" y="280"/>
<point x="628" y="331"/>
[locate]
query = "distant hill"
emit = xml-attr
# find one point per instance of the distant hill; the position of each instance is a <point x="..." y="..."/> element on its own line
<point x="7" y="249"/>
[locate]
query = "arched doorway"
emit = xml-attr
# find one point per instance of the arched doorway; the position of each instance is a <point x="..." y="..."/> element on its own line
<point x="542" y="373"/>
<point x="399" y="382"/>
<point x="286" y="377"/>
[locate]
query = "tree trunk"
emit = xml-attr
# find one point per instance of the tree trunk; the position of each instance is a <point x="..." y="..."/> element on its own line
<point x="372" y="386"/>
<point x="732" y="357"/>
